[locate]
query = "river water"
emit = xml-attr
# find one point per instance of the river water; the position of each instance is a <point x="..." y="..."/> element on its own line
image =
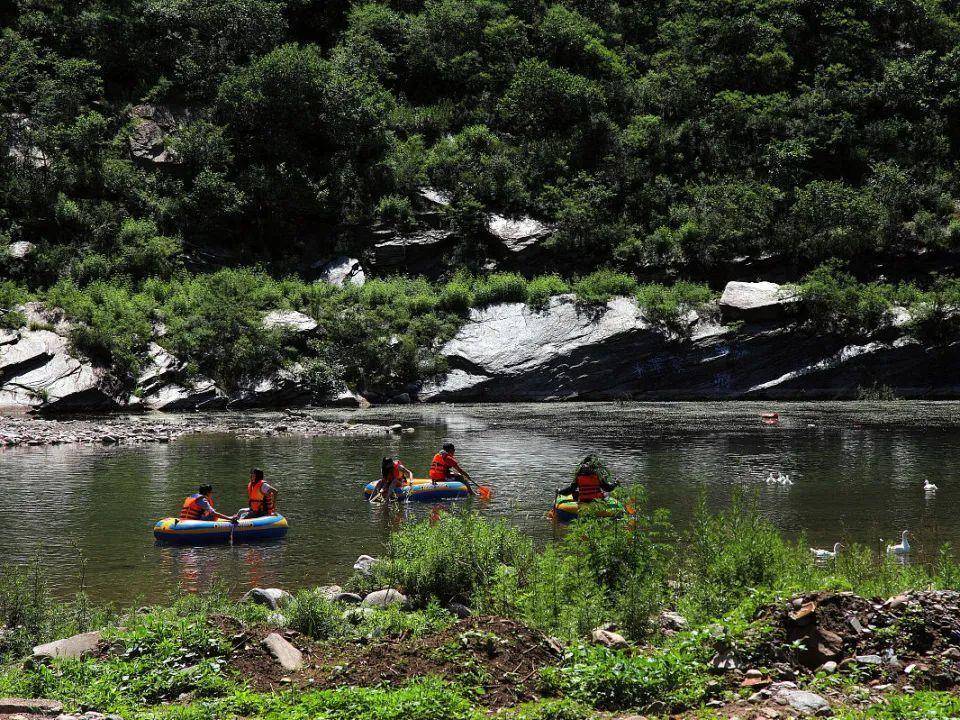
<point x="857" y="468"/>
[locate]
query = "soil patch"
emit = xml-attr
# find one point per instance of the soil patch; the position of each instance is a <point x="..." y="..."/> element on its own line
<point x="502" y="656"/>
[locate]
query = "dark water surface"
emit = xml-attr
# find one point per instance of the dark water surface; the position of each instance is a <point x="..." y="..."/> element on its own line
<point x="857" y="468"/>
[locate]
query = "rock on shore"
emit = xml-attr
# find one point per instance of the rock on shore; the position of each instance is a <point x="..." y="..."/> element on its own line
<point x="511" y="352"/>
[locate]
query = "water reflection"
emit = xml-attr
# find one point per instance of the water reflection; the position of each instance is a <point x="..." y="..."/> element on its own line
<point x="857" y="475"/>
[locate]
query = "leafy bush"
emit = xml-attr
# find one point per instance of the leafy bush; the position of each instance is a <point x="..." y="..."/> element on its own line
<point x="598" y="287"/>
<point x="111" y="325"/>
<point x="544" y="287"/>
<point x="612" y="680"/>
<point x="729" y="555"/>
<point x="667" y="306"/>
<point x="498" y="288"/>
<point x="453" y="558"/>
<point x="935" y="314"/>
<point x="837" y="304"/>
<point x="12" y="295"/>
<point x="429" y="699"/>
<point x="312" y="614"/>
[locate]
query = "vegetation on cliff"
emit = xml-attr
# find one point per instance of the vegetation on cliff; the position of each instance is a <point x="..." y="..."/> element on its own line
<point x="146" y="145"/>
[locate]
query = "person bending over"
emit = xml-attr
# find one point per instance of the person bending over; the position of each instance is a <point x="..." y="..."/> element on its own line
<point x="199" y="506"/>
<point x="392" y="475"/>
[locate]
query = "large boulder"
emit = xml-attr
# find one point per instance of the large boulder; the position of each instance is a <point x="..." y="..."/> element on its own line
<point x="289" y="321"/>
<point x="286" y="387"/>
<point x="421" y="251"/>
<point x="341" y="271"/>
<point x="521" y="240"/>
<point x="153" y="126"/>
<point x="273" y="598"/>
<point x="755" y="301"/>
<point x="163" y="384"/>
<point x="384" y="598"/>
<point x="512" y="352"/>
<point x="71" y="647"/>
<point x="38" y="370"/>
<point x="29" y="706"/>
<point x="19" y="250"/>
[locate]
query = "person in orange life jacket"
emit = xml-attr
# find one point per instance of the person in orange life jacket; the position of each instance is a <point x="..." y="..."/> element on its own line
<point x="392" y="473"/>
<point x="446" y="468"/>
<point x="261" y="498"/>
<point x="199" y="506"/>
<point x="588" y="485"/>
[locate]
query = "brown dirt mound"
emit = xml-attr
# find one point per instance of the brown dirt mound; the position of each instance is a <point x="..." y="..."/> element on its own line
<point x="502" y="656"/>
<point x="919" y="629"/>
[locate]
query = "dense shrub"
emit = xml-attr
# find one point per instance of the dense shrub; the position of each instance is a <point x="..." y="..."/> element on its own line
<point x="500" y="287"/>
<point x="667" y="307"/>
<point x="602" y="285"/>
<point x="543" y="287"/>
<point x="454" y="558"/>
<point x="836" y="303"/>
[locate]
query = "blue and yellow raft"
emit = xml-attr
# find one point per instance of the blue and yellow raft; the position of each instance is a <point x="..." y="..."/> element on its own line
<point x="566" y="508"/>
<point x="202" y="532"/>
<point x="423" y="490"/>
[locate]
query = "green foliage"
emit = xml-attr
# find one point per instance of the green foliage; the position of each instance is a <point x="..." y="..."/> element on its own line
<point x="451" y="559"/>
<point x="310" y="613"/>
<point x="12" y="295"/>
<point x="543" y="287"/>
<point x="598" y="287"/>
<point x="935" y="315"/>
<point x="728" y="556"/>
<point x="499" y="288"/>
<point x="914" y="706"/>
<point x="667" y="307"/>
<point x="612" y="680"/>
<point x="837" y="304"/>
<point x="111" y="324"/>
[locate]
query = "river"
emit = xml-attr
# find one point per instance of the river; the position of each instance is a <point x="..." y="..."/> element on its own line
<point x="858" y="468"/>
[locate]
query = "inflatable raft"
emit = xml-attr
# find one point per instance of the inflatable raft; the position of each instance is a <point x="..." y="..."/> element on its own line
<point x="197" y="532"/>
<point x="422" y="490"/>
<point x="566" y="508"/>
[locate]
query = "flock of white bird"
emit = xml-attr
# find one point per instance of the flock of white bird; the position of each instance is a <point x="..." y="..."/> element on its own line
<point x="901" y="548"/>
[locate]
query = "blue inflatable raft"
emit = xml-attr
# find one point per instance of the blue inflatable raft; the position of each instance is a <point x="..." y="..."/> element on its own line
<point x="423" y="490"/>
<point x="203" y="532"/>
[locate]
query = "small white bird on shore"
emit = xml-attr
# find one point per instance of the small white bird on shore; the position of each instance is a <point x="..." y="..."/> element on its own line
<point x="821" y="554"/>
<point x="929" y="486"/>
<point x="903" y="548"/>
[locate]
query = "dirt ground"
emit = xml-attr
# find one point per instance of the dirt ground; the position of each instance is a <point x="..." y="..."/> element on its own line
<point x="502" y="656"/>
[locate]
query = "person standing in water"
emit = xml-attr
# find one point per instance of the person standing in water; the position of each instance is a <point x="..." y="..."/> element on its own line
<point x="445" y="468"/>
<point x="392" y="474"/>
<point x="261" y="498"/>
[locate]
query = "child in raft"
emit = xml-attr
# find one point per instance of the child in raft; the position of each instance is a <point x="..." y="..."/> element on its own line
<point x="392" y="477"/>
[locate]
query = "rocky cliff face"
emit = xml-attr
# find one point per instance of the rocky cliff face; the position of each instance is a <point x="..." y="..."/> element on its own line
<point x="511" y="352"/>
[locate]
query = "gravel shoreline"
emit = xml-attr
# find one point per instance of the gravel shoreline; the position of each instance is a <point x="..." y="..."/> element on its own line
<point x="26" y="430"/>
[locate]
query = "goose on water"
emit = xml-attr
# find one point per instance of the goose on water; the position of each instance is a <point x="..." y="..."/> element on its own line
<point x="903" y="548"/>
<point x="778" y="479"/>
<point x="820" y="554"/>
<point x="929" y="486"/>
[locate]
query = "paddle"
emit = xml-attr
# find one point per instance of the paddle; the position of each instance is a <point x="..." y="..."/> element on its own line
<point x="481" y="491"/>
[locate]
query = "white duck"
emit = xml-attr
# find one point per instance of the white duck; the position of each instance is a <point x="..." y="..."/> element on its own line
<point x="778" y="479"/>
<point x="929" y="486"/>
<point x="820" y="554"/>
<point x="903" y="548"/>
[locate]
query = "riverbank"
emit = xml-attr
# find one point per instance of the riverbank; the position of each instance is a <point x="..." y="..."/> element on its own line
<point x="26" y="430"/>
<point x="460" y="619"/>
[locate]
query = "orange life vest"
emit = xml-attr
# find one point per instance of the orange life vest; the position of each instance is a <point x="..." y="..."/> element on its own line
<point x="440" y="467"/>
<point x="192" y="510"/>
<point x="395" y="473"/>
<point x="259" y="503"/>
<point x="588" y="487"/>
